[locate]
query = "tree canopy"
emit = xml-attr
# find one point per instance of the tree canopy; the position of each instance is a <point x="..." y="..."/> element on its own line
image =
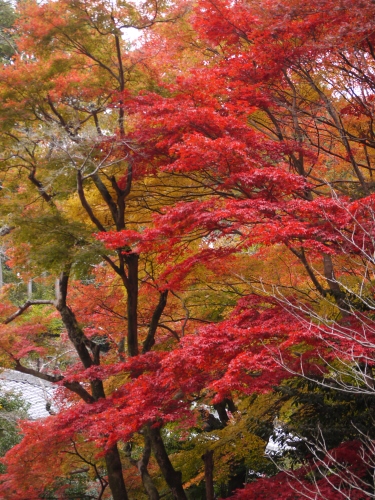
<point x="187" y="222"/>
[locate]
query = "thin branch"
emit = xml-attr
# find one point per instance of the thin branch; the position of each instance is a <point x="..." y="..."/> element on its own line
<point x="85" y="203"/>
<point x="25" y="306"/>
<point x="150" y="339"/>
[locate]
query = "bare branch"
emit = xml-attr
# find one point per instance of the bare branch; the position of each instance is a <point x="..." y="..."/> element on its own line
<point x="25" y="306"/>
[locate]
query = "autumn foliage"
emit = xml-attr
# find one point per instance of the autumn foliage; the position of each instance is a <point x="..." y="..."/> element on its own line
<point x="195" y="210"/>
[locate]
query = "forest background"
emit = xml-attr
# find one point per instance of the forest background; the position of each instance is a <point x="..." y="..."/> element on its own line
<point x="187" y="223"/>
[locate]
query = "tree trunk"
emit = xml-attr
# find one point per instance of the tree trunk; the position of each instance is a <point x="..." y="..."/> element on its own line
<point x="132" y="305"/>
<point x="222" y="412"/>
<point x="334" y="286"/>
<point x="172" y="477"/>
<point x="115" y="477"/>
<point x="208" y="459"/>
<point x="29" y="289"/>
<point x="82" y="345"/>
<point x="150" y="339"/>
<point x="221" y="409"/>
<point x="142" y="464"/>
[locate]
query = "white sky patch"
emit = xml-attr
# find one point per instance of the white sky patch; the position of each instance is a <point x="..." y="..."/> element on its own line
<point x="131" y="34"/>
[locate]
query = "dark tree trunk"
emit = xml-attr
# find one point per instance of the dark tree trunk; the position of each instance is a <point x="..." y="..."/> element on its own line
<point x="150" y="339"/>
<point x="222" y="412"/>
<point x="334" y="286"/>
<point x="142" y="464"/>
<point x="132" y="306"/>
<point x="221" y="409"/>
<point x="115" y="477"/>
<point x="208" y="459"/>
<point x="172" y="477"/>
<point x="82" y="345"/>
<point x="301" y="255"/>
